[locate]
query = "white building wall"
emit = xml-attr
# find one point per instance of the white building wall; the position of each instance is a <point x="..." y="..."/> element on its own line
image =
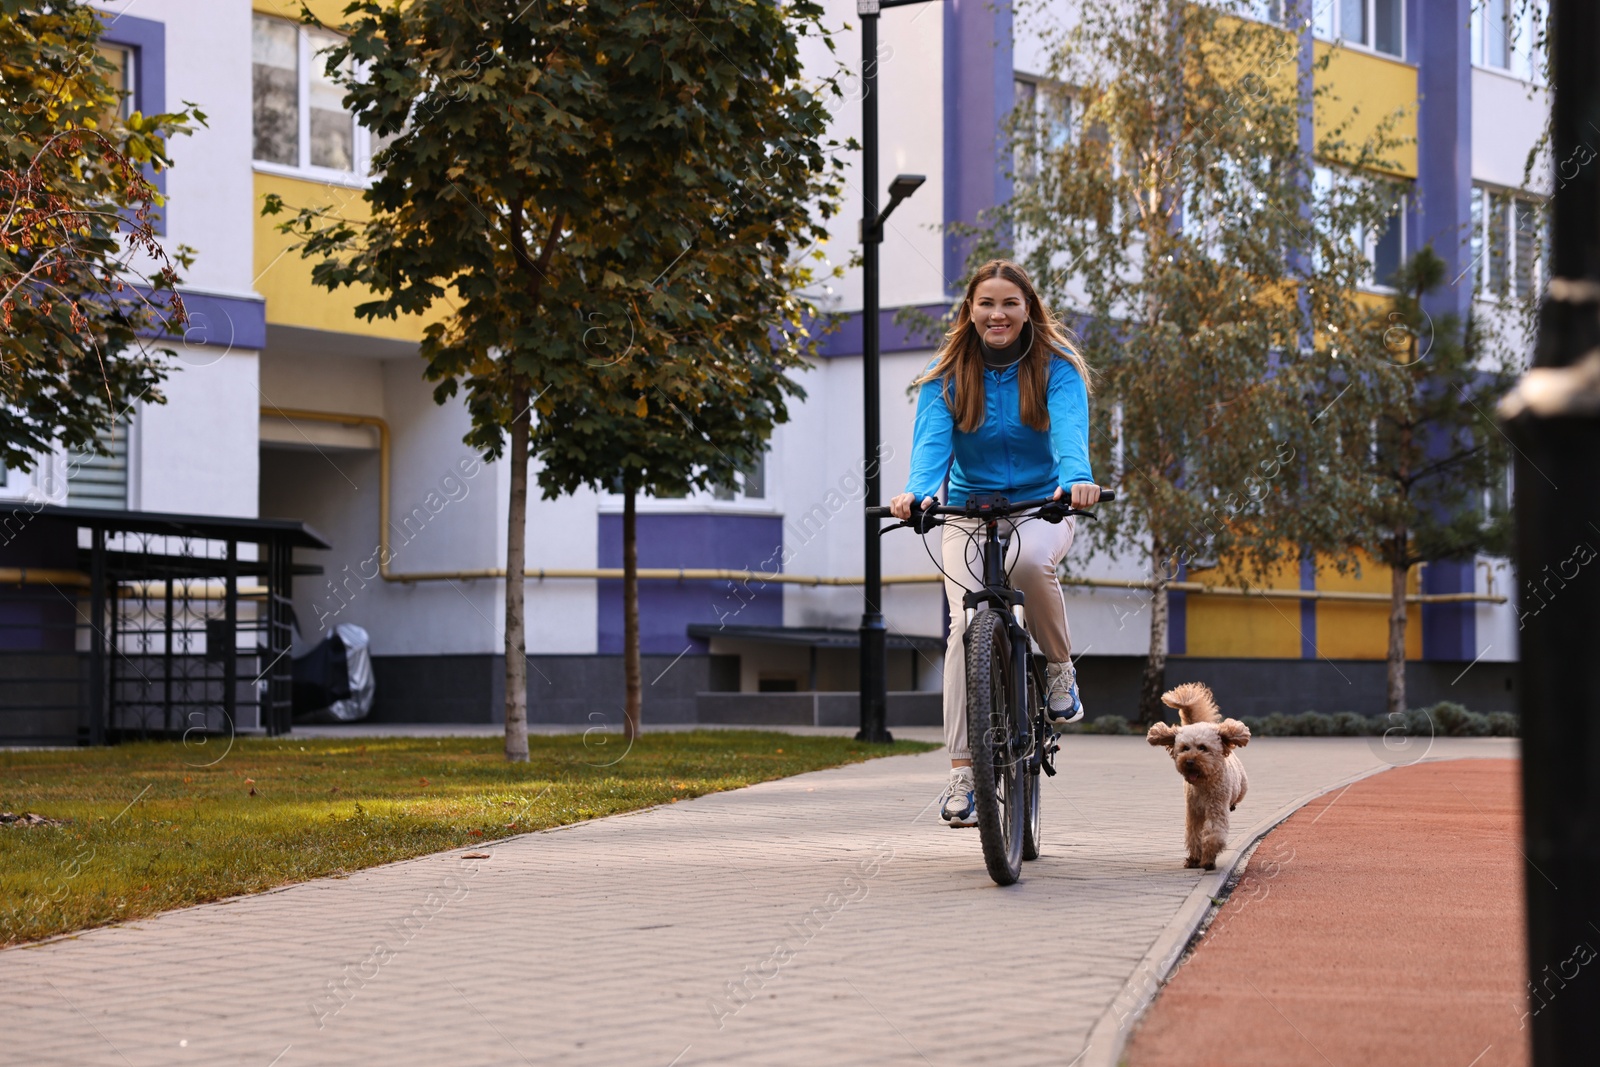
<point x="197" y="452"/>
<point x="1508" y="117"/>
<point x="911" y="136"/>
<point x="210" y="185"/>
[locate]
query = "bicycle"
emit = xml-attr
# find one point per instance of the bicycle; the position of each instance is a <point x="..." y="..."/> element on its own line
<point x="1008" y="727"/>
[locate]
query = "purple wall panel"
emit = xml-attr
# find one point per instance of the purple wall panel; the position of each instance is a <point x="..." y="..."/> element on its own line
<point x="148" y="41"/>
<point x="979" y="94"/>
<point x="740" y="542"/>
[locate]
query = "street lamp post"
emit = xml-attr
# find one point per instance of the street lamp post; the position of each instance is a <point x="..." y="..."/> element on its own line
<point x="874" y="652"/>
<point x="1554" y="418"/>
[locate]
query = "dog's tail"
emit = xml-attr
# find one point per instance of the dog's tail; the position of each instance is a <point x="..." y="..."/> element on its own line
<point x="1194" y="703"/>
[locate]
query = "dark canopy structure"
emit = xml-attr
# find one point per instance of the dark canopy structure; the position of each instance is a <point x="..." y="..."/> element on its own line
<point x="133" y="623"/>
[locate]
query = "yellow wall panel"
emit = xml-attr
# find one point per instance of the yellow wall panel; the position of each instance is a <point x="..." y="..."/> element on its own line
<point x="1349" y="630"/>
<point x="331" y="12"/>
<point x="1367" y="88"/>
<point x="284" y="278"/>
<point x="1250" y="627"/>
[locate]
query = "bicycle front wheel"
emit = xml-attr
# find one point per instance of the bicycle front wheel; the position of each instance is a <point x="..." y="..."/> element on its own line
<point x="1033" y="833"/>
<point x="998" y="769"/>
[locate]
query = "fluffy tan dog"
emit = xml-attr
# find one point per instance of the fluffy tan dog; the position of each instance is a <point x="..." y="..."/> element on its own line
<point x="1202" y="746"/>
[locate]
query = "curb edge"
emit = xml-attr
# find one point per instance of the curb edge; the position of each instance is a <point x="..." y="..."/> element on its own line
<point x="1108" y="1038"/>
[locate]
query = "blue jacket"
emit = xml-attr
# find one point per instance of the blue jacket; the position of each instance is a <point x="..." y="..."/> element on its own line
<point x="1004" y="455"/>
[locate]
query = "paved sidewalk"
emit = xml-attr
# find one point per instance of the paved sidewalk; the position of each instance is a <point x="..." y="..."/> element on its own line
<point x="826" y="918"/>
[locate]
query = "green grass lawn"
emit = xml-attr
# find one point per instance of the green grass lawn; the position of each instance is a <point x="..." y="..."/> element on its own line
<point x="152" y="827"/>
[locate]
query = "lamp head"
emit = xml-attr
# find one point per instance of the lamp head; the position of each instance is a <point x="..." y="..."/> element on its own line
<point x="904" y="185"/>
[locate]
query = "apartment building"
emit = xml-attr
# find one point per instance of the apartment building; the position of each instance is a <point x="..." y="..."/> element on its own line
<point x="284" y="405"/>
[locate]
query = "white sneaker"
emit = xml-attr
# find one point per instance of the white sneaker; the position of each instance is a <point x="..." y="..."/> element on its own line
<point x="1061" y="694"/>
<point x="960" y="807"/>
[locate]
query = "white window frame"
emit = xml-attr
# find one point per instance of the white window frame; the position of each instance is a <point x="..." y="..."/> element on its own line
<point x="1325" y="26"/>
<point x="704" y="501"/>
<point x="130" y="90"/>
<point x="360" y="176"/>
<point x="1042" y="89"/>
<point x="1519" y="51"/>
<point x="1268" y="11"/>
<point x="1322" y="186"/>
<point x="1538" y="270"/>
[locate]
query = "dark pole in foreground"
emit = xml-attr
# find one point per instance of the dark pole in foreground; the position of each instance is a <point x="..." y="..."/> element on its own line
<point x="874" y="653"/>
<point x="1553" y="416"/>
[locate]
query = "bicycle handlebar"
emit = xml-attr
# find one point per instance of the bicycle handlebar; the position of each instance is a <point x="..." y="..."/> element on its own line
<point x="990" y="511"/>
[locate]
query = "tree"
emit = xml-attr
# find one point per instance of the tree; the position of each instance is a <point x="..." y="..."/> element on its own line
<point x="83" y="274"/>
<point x="1422" y="444"/>
<point x="626" y="433"/>
<point x="1164" y="194"/>
<point x="569" y="173"/>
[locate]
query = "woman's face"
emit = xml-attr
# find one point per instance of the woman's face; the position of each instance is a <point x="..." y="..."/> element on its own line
<point x="998" y="311"/>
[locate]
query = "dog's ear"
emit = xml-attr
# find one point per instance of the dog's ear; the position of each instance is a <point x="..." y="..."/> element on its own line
<point x="1161" y="734"/>
<point x="1234" y="734"/>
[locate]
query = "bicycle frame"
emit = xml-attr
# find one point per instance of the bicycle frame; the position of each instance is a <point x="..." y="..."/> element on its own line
<point x="1030" y="740"/>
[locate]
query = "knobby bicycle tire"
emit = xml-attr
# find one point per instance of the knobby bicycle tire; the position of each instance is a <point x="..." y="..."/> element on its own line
<point x="1033" y="822"/>
<point x="997" y="773"/>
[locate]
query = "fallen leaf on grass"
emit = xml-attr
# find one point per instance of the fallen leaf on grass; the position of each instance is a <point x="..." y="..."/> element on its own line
<point x="474" y="833"/>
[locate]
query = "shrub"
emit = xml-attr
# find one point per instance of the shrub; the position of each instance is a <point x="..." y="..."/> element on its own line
<point x="1417" y="723"/>
<point x="1312" y="724"/>
<point x="1349" y="724"/>
<point x="1108" y="724"/>
<point x="1278" y="725"/>
<point x="1503" y="724"/>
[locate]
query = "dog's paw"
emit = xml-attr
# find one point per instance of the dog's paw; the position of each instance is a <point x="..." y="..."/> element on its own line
<point x="1192" y="861"/>
<point x="1211" y="866"/>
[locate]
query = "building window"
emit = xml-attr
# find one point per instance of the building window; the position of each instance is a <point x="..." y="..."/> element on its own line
<point x="1383" y="246"/>
<point x="119" y="77"/>
<point x="1375" y="24"/>
<point x="748" y="484"/>
<point x="101" y="481"/>
<point x="1505" y="243"/>
<point x="1504" y="33"/>
<point x="1043" y="124"/>
<point x="1265" y="10"/>
<point x="299" y="120"/>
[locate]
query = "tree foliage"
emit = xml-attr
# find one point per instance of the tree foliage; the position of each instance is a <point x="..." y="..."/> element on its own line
<point x="1420" y="446"/>
<point x="606" y="208"/>
<point x="1165" y="197"/>
<point x="83" y="274"/>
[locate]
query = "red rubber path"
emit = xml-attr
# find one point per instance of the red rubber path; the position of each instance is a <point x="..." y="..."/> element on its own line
<point x="1378" y="925"/>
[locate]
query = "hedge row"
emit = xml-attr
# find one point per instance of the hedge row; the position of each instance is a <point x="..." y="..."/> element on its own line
<point x="1444" y="719"/>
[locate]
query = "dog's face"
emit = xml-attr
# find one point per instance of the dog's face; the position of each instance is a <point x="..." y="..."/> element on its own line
<point x="1199" y="749"/>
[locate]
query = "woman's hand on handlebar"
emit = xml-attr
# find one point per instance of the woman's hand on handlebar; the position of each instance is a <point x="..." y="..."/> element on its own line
<point x="900" y="506"/>
<point x="1084" y="495"/>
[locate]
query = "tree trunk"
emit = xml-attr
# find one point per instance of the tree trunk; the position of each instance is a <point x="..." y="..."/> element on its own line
<point x="630" y="612"/>
<point x="1154" y="682"/>
<point x="516" y="564"/>
<point x="1397" y="631"/>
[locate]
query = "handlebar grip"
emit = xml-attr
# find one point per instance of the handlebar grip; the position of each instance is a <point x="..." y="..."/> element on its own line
<point x="879" y="513"/>
<point x="1107" y="494"/>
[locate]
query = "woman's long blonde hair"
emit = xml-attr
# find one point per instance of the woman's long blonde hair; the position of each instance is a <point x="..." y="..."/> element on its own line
<point x="960" y="358"/>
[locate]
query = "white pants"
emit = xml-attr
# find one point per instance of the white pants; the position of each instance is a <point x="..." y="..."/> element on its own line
<point x="1036" y="548"/>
